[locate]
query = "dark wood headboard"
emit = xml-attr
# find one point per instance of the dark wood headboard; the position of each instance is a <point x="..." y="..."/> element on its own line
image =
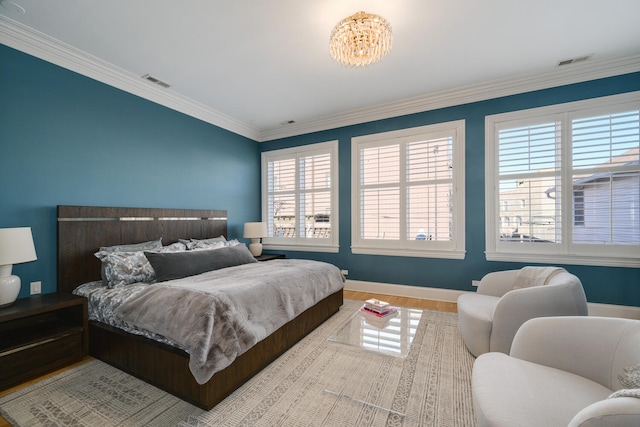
<point x="82" y="230"/>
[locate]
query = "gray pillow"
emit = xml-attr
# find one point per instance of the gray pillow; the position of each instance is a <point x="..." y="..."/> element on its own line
<point x="113" y="261"/>
<point x="135" y="247"/>
<point x="193" y="246"/>
<point x="176" y="265"/>
<point x="220" y="238"/>
<point x="124" y="268"/>
<point x="196" y="245"/>
<point x="211" y="240"/>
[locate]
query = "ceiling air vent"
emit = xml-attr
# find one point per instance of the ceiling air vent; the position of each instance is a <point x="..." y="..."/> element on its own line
<point x="573" y="60"/>
<point x="156" y="81"/>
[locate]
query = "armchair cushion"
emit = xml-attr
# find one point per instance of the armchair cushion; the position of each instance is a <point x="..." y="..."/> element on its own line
<point x="510" y="392"/>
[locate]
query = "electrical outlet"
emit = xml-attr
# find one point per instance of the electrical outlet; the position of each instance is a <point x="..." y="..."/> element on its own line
<point x="475" y="282"/>
<point x="344" y="272"/>
<point x="36" y="288"/>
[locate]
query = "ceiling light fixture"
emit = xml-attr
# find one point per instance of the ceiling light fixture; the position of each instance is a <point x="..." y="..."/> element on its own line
<point x="360" y="39"/>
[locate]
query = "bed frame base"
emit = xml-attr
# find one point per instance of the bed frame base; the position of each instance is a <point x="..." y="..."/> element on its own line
<point x="168" y="368"/>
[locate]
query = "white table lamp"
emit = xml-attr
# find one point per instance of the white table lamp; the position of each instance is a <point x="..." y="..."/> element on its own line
<point x="16" y="246"/>
<point x="255" y="231"/>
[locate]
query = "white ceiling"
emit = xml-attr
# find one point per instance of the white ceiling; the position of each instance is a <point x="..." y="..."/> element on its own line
<point x="249" y="65"/>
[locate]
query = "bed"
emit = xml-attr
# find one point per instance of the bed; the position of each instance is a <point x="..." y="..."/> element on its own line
<point x="84" y="229"/>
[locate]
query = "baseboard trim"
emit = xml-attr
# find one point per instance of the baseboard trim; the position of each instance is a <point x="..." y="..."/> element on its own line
<point x="451" y="295"/>
<point x="610" y="310"/>
<point x="421" y="292"/>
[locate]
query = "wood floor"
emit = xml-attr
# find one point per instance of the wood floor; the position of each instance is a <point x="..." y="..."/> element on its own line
<point x="404" y="301"/>
<point x="353" y="295"/>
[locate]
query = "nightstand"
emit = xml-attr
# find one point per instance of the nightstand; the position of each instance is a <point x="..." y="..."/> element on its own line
<point x="40" y="334"/>
<point x="269" y="257"/>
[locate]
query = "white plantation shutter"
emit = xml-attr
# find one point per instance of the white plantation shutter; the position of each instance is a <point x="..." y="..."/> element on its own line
<point x="315" y="196"/>
<point x="380" y="213"/>
<point x="430" y="189"/>
<point x="606" y="179"/>
<point x="300" y="196"/>
<point x="563" y="183"/>
<point x="406" y="185"/>
<point x="610" y="140"/>
<point x="380" y="192"/>
<point x="529" y="169"/>
<point x="423" y="170"/>
<point x="281" y="205"/>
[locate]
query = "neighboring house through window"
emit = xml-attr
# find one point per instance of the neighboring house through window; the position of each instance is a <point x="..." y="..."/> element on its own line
<point x="576" y="168"/>
<point x="578" y="207"/>
<point x="300" y="197"/>
<point x="408" y="192"/>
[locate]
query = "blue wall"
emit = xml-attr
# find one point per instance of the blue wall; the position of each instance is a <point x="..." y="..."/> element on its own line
<point x="67" y="139"/>
<point x="602" y="284"/>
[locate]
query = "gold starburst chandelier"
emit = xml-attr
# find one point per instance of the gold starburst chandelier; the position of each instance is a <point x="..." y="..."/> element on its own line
<point x="360" y="39"/>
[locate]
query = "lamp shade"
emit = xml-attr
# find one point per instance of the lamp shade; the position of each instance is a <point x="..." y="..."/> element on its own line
<point x="255" y="230"/>
<point x="16" y="246"/>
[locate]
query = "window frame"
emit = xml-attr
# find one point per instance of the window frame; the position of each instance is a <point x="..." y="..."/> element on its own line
<point x="452" y="249"/>
<point x="307" y="244"/>
<point x="565" y="252"/>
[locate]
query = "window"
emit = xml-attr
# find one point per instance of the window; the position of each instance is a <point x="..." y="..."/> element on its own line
<point x="408" y="192"/>
<point x="576" y="167"/>
<point x="300" y="197"/>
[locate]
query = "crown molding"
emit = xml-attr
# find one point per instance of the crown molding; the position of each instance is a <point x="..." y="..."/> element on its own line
<point x="35" y="43"/>
<point x="590" y="70"/>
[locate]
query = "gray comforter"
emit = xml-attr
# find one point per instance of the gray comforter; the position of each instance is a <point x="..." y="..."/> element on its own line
<point x="219" y="315"/>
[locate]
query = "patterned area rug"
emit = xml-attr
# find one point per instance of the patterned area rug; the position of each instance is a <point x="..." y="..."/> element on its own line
<point x="316" y="383"/>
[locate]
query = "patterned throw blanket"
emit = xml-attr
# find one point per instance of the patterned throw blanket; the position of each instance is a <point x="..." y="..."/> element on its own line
<point x="219" y="315"/>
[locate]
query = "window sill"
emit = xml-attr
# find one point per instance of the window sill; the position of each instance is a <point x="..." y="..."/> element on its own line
<point x="408" y="252"/>
<point x="301" y="248"/>
<point x="601" y="261"/>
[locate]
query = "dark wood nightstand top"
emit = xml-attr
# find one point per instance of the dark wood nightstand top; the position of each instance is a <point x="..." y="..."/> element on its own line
<point x="269" y="257"/>
<point x="37" y="304"/>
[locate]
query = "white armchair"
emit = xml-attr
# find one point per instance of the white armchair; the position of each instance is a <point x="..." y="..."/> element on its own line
<point x="490" y="317"/>
<point x="562" y="372"/>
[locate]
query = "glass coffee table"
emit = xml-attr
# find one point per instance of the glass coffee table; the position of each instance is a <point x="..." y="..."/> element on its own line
<point x="392" y="335"/>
